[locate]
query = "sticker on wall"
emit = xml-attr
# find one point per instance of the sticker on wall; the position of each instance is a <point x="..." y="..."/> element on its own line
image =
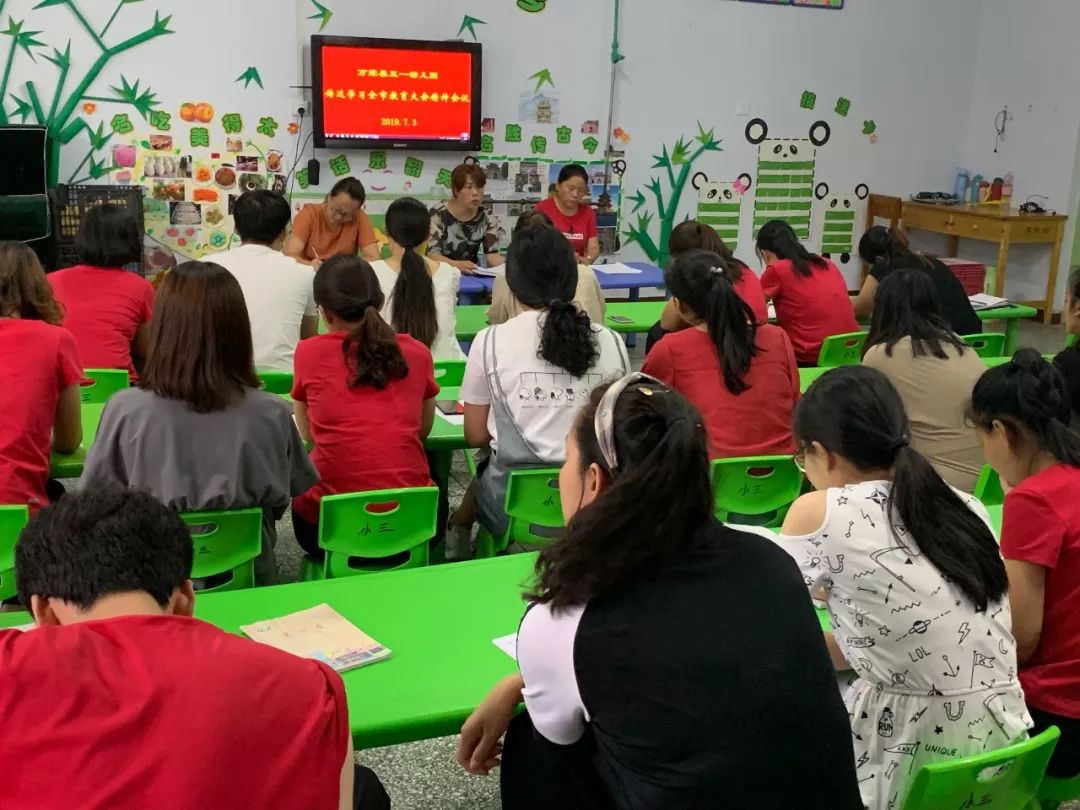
<point x="839" y="220"/>
<point x="666" y="209"/>
<point x="563" y="134"/>
<point x="513" y="133"/>
<point x="469" y="23"/>
<point x="339" y="165"/>
<point x="322" y="13"/>
<point x="785" y="175"/>
<point x="487" y="144"/>
<point x="232" y="123"/>
<point x="538" y="108"/>
<point x="248" y="76"/>
<point x="538" y="145"/>
<point x="160" y="120"/>
<point x="377" y="160"/>
<point x="590" y="127"/>
<point x="199" y="137"/>
<point x="443" y="178"/>
<point x="302" y="178"/>
<point x="414" y="167"/>
<point x="487" y="125"/>
<point x="621" y="135"/>
<point x="542" y="76"/>
<point x="720" y="206"/>
<point x="843" y="106"/>
<point x="590" y="144"/>
<point x="532" y="6"/>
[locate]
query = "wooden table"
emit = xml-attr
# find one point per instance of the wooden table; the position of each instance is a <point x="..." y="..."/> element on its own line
<point x="986" y="223"/>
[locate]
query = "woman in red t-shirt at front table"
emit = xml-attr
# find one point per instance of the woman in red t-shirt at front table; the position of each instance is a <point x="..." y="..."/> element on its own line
<point x="571" y="215"/>
<point x="40" y="370"/>
<point x="741" y="375"/>
<point x="363" y="395"/>
<point x="808" y="291"/>
<point x="1023" y="419"/>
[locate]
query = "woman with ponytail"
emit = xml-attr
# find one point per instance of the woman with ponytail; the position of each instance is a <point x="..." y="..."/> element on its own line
<point x="739" y="374"/>
<point x="808" y="291"/>
<point x="887" y="251"/>
<point x="1023" y="419"/>
<point x="526" y="379"/>
<point x="666" y="660"/>
<point x="914" y="583"/>
<point x="421" y="294"/>
<point x="364" y="395"/>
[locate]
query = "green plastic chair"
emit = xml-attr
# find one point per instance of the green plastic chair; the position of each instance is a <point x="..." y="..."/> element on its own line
<point x="988" y="488"/>
<point x="1070" y="341"/>
<point x="276" y="382"/>
<point x="987" y="344"/>
<point x="1006" y="779"/>
<point x="842" y="350"/>
<point x="1053" y="792"/>
<point x="101" y="383"/>
<point x="449" y="373"/>
<point x="226" y="545"/>
<point x="756" y="490"/>
<point x="534" y="508"/>
<point x="12" y="520"/>
<point x="369" y="532"/>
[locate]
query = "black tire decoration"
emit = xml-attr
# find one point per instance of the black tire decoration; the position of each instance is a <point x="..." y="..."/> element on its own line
<point x="821" y="191"/>
<point x="862" y="191"/>
<point x="748" y="181"/>
<point x="618" y="167"/>
<point x="699" y="177"/>
<point x="470" y="160"/>
<point x="820" y="133"/>
<point x="760" y="124"/>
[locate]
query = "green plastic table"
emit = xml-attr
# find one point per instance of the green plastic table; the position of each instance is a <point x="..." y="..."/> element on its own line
<point x="438" y="621"/>
<point x="470" y="320"/>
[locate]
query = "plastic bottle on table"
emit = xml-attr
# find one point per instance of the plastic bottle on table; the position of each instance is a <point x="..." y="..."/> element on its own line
<point x="963" y="177"/>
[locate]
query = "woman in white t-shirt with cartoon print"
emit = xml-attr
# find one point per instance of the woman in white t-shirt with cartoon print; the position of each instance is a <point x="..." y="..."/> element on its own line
<point x="526" y="379"/>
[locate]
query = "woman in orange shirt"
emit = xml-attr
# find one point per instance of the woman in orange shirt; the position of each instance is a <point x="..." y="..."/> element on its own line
<point x="336" y="225"/>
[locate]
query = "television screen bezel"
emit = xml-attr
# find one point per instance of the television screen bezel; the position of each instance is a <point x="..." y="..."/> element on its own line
<point x="318" y="41"/>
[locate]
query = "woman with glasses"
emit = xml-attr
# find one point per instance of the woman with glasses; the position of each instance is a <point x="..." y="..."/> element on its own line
<point x="914" y="583"/>
<point x="570" y="212"/>
<point x="336" y="225"/>
<point x="666" y="660"/>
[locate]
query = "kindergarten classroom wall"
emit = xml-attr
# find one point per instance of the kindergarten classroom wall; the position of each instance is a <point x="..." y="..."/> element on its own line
<point x="889" y="91"/>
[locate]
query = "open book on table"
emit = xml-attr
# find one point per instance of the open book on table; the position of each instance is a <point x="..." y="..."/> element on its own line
<point x="320" y="633"/>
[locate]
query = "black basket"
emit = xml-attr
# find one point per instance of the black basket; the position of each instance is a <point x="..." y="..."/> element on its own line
<point x="70" y="204"/>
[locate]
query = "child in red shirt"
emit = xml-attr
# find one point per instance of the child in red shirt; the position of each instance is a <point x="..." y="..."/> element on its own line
<point x="107" y="308"/>
<point x="739" y="374"/>
<point x="39" y="398"/>
<point x="120" y="699"/>
<point x="809" y="292"/>
<point x="364" y="395"/>
<point x="1022" y="416"/>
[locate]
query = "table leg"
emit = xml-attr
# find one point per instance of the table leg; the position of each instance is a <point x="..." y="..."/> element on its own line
<point x="1012" y="336"/>
<point x="1051" y="280"/>
<point x="954" y="246"/>
<point x="1003" y="259"/>
<point x="631" y="339"/>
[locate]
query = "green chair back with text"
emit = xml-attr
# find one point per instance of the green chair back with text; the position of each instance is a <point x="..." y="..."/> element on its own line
<point x="275" y="382"/>
<point x="449" y="373"/>
<point x="368" y="532"/>
<point x="987" y="344"/>
<point x="1005" y="779"/>
<point x="101" y="383"/>
<point x="988" y="488"/>
<point x="12" y="520"/>
<point x="534" y="508"/>
<point x="226" y="545"/>
<point x="842" y="350"/>
<point x="756" y="490"/>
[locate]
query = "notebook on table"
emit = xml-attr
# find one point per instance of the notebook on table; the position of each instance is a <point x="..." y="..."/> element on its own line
<point x="982" y="301"/>
<point x="320" y="633"/>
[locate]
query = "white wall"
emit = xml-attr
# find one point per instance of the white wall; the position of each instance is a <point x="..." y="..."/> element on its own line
<point x="1027" y="61"/>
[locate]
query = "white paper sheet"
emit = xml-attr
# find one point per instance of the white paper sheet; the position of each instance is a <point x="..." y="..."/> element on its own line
<point x="983" y="301"/>
<point x="508" y="644"/>
<point x="454" y="419"/>
<point x="616" y="269"/>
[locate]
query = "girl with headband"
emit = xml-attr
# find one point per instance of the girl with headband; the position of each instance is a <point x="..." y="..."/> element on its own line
<point x="666" y="660"/>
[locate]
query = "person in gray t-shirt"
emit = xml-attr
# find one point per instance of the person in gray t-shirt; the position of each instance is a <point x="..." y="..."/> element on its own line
<point x="197" y="433"/>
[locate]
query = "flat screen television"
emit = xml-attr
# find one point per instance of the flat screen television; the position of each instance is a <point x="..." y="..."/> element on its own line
<point x="395" y="93"/>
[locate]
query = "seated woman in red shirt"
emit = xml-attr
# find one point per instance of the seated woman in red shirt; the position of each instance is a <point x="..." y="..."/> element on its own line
<point x="1022" y="417"/>
<point x="739" y="374"/>
<point x="809" y="293"/>
<point x="571" y="214"/>
<point x="40" y="369"/>
<point x="107" y="308"/>
<point x="692" y="235"/>
<point x="364" y="395"/>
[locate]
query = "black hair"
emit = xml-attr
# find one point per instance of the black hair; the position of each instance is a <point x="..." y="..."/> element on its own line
<point x="101" y="541"/>
<point x="691" y="235"/>
<point x="698" y="279"/>
<point x="777" y="236"/>
<point x="906" y="305"/>
<point x="532" y="219"/>
<point x="110" y="236"/>
<point x="347" y="287"/>
<point x="573" y="170"/>
<point x="408" y="222"/>
<point x="658" y="501"/>
<point x="261" y="216"/>
<point x="541" y="271"/>
<point x="856" y="413"/>
<point x="1028" y="393"/>
<point x="351" y="186"/>
<point x="1073" y="285"/>
<point x="890" y="246"/>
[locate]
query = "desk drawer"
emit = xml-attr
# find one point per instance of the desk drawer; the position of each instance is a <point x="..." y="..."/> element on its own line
<point x="926" y="220"/>
<point x="952" y="224"/>
<point x="977" y="228"/>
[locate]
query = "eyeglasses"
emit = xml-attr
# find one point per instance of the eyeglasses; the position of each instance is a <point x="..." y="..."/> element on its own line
<point x="576" y="191"/>
<point x="800" y="461"/>
<point x="341" y="213"/>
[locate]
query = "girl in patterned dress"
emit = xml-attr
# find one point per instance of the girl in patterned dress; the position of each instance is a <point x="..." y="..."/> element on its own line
<point x="915" y="587"/>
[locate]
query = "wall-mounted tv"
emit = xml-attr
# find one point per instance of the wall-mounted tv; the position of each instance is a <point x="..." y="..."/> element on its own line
<point x="395" y="93"/>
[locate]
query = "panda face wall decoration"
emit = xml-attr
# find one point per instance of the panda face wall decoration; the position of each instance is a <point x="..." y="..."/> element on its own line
<point x="839" y="219"/>
<point x="785" y="175"/>
<point x="720" y="205"/>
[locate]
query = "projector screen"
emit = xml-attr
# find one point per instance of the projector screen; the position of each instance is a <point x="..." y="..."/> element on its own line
<point x="395" y="93"/>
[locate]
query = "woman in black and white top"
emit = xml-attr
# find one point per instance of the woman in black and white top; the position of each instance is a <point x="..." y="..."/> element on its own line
<point x="666" y="660"/>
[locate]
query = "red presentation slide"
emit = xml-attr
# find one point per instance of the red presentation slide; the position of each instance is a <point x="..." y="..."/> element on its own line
<point x="387" y="93"/>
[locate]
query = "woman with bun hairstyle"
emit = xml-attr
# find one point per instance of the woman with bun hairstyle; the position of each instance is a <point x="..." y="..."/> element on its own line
<point x="1024" y="422"/>
<point x="569" y="211"/>
<point x="741" y="375"/>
